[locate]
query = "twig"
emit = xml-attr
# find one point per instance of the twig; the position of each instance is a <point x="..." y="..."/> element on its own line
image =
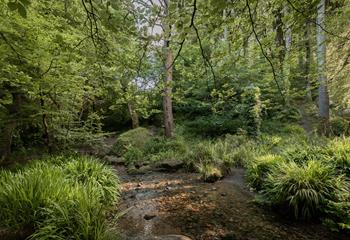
<point x="263" y="51"/>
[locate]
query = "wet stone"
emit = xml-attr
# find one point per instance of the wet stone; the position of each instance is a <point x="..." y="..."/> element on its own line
<point x="149" y="216"/>
<point x="172" y="237"/>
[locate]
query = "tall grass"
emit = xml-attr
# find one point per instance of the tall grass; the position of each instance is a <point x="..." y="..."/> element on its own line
<point x="260" y="168"/>
<point x="304" y="189"/>
<point x="62" y="200"/>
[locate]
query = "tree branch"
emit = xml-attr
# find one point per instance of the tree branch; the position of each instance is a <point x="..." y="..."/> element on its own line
<point x="263" y="51"/>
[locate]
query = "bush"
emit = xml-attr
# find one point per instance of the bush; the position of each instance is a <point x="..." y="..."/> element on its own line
<point x="339" y="211"/>
<point x="59" y="201"/>
<point x="305" y="189"/>
<point x="160" y="145"/>
<point x="214" y="125"/>
<point x="251" y="110"/>
<point x="338" y="153"/>
<point x="133" y="155"/>
<point x="302" y="153"/>
<point x="259" y="169"/>
<point x="136" y="138"/>
<point x="339" y="126"/>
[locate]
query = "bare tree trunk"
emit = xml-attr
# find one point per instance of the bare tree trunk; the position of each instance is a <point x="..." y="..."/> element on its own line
<point x="283" y="42"/>
<point x="6" y="138"/>
<point x="323" y="97"/>
<point x="308" y="59"/>
<point x="167" y="94"/>
<point x="134" y="116"/>
<point x="167" y="98"/>
<point x="46" y="135"/>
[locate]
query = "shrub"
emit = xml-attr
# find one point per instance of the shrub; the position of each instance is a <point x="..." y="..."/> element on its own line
<point x="302" y="153"/>
<point x="259" y="169"/>
<point x="251" y="110"/>
<point x="305" y="189"/>
<point x="293" y="129"/>
<point x="133" y="155"/>
<point x="214" y="125"/>
<point x="133" y="138"/>
<point x="339" y="211"/>
<point x="160" y="144"/>
<point x="339" y="126"/>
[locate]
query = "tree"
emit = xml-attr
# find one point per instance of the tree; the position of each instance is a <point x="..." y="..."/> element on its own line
<point x="168" y="67"/>
<point x="323" y="97"/>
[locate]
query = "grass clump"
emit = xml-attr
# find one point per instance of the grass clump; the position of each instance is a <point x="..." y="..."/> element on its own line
<point x="91" y="173"/>
<point x="303" y="189"/>
<point x="210" y="172"/>
<point x="24" y="193"/>
<point x="258" y="169"/>
<point x="338" y="153"/>
<point x="64" y="200"/>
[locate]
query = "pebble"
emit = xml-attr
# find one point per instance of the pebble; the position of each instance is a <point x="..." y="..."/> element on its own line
<point x="149" y="216"/>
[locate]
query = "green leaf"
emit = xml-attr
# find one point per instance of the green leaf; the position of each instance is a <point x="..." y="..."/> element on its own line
<point x="22" y="10"/>
<point x="12" y="6"/>
<point x="25" y="2"/>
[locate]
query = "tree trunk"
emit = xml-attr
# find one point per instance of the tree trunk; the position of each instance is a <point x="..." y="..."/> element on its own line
<point x="134" y="116"/>
<point x="323" y="97"/>
<point x="167" y="94"/>
<point x="6" y="138"/>
<point x="167" y="98"/>
<point x="308" y="59"/>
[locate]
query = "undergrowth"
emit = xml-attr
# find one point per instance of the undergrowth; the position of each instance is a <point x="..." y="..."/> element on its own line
<point x="306" y="176"/>
<point x="59" y="199"/>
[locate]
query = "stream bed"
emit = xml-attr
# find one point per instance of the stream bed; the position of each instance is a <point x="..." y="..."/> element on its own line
<point x="159" y="204"/>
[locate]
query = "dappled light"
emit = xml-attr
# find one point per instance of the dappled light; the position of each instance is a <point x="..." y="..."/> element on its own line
<point x="174" y="120"/>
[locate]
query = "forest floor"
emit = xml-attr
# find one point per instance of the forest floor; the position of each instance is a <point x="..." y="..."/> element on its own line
<point x="159" y="203"/>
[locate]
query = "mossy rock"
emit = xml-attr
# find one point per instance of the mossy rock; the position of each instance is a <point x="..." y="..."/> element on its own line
<point x="135" y="138"/>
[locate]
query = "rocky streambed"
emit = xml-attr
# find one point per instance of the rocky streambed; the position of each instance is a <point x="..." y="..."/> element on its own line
<point x="179" y="206"/>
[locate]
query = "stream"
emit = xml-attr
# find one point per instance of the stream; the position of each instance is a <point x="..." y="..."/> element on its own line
<point x="179" y="206"/>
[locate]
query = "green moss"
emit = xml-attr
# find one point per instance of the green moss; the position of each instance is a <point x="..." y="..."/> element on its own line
<point x="136" y="138"/>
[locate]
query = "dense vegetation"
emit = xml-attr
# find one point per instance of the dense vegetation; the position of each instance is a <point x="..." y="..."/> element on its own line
<point x="59" y="198"/>
<point x="262" y="85"/>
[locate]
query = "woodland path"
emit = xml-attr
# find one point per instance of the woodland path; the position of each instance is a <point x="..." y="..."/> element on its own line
<point x="180" y="203"/>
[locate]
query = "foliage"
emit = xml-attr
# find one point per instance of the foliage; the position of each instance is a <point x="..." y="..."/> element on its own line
<point x="339" y="126"/>
<point x="92" y="174"/>
<point x="214" y="125"/>
<point x="252" y="110"/>
<point x="62" y="201"/>
<point x="135" y="138"/>
<point x="305" y="189"/>
<point x="259" y="169"/>
<point x="210" y="172"/>
<point x="339" y="211"/>
<point x="338" y="154"/>
<point x="133" y="155"/>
